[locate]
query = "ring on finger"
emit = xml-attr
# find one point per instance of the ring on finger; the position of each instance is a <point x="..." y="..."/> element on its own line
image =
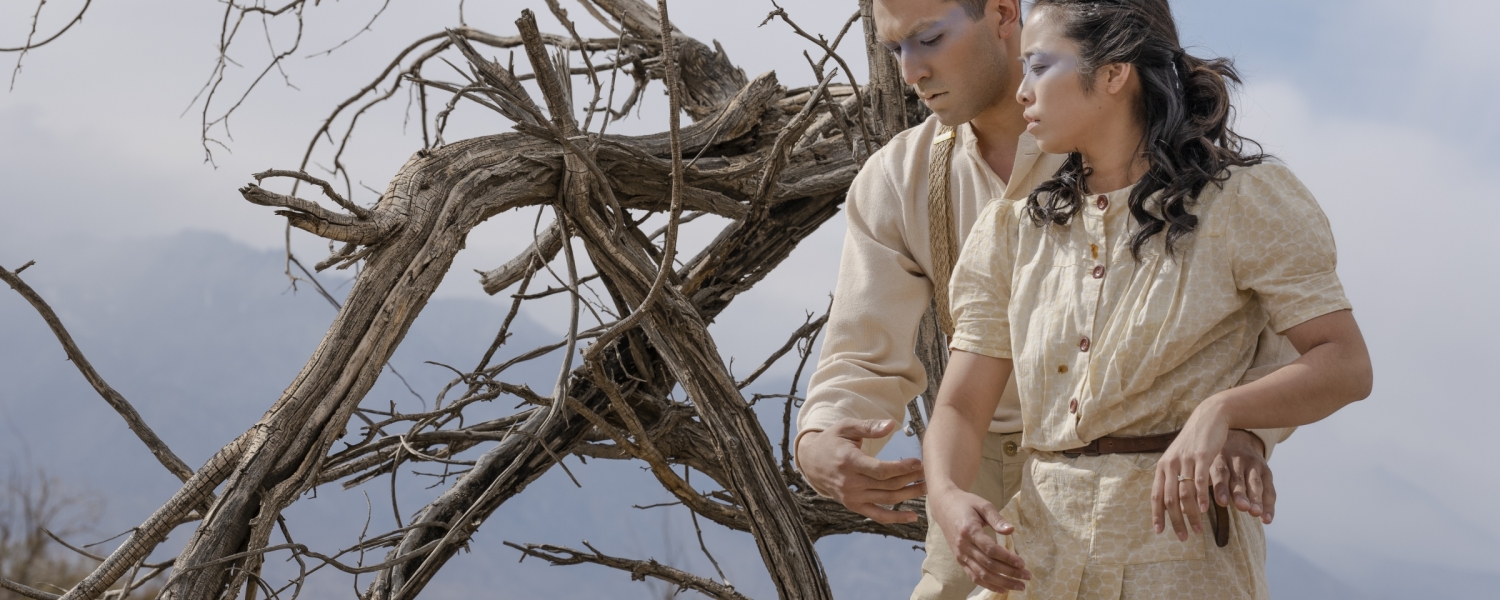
<point x="1182" y="478"/>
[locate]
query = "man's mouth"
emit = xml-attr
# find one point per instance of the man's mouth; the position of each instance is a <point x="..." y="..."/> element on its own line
<point x="931" y="97"/>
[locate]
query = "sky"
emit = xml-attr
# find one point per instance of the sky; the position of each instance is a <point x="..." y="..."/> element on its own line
<point x="1385" y="109"/>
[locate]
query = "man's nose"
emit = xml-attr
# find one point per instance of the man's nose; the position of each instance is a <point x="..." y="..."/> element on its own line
<point x="913" y="69"/>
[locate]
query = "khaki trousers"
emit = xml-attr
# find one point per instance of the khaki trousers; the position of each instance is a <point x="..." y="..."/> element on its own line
<point x="999" y="478"/>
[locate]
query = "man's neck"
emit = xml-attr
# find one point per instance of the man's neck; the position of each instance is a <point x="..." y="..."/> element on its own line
<point x="998" y="131"/>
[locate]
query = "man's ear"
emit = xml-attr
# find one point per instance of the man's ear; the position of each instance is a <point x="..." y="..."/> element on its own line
<point x="1009" y="12"/>
<point x="1116" y="76"/>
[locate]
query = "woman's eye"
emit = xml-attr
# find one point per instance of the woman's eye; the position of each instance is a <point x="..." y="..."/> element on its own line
<point x="1037" y="69"/>
<point x="932" y="41"/>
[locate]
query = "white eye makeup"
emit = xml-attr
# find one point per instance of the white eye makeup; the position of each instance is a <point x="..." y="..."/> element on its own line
<point x="1039" y="64"/>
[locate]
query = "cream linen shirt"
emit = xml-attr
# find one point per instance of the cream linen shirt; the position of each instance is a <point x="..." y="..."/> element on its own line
<point x="1105" y="345"/>
<point x="868" y="368"/>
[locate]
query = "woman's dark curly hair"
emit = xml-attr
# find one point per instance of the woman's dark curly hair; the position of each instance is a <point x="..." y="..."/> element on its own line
<point x="1184" y="106"/>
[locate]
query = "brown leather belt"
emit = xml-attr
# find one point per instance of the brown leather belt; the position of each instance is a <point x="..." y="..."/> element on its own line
<point x="1152" y="443"/>
<point x="1124" y="445"/>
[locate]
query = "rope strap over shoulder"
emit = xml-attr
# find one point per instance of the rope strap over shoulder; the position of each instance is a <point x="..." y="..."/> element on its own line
<point x="940" y="224"/>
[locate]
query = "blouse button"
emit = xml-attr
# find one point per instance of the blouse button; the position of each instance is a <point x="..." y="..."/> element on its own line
<point x="1098" y="271"/>
<point x="1083" y="345"/>
<point x="1102" y="203"/>
<point x="1073" y="406"/>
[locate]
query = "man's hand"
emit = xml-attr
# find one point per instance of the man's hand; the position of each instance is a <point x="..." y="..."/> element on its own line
<point x="1241" y="471"/>
<point x="832" y="462"/>
<point x="963" y="517"/>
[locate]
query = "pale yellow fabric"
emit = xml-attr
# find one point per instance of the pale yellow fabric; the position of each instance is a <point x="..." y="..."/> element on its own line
<point x="998" y="479"/>
<point x="868" y="368"/>
<point x="1163" y="333"/>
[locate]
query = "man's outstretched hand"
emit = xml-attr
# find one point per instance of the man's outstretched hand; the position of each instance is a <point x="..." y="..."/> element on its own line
<point x="1240" y="474"/>
<point x="833" y="463"/>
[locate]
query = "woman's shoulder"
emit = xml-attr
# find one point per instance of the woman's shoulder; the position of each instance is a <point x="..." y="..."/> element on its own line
<point x="1268" y="184"/>
<point x="1266" y="194"/>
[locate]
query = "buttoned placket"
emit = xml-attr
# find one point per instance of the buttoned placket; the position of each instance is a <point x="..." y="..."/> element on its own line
<point x="1091" y="293"/>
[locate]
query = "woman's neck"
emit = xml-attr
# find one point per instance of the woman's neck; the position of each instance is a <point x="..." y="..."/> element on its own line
<point x="1115" y="159"/>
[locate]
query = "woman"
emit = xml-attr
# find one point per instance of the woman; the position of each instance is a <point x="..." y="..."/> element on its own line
<point x="1126" y="294"/>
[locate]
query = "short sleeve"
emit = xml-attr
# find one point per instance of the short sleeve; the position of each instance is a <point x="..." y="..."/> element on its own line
<point x="979" y="291"/>
<point x="1283" y="247"/>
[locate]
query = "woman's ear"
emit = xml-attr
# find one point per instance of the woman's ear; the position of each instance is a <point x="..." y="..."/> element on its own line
<point x="1116" y="76"/>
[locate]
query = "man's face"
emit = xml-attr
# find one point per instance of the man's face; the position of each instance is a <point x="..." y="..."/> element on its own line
<point x="956" y="64"/>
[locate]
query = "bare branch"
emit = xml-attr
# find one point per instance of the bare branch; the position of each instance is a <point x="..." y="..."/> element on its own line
<point x="27" y="591"/>
<point x="133" y="419"/>
<point x="359" y="211"/>
<point x="29" y="45"/>
<point x="639" y="570"/>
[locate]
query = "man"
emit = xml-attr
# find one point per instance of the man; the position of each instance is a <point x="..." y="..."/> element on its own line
<point x="961" y="58"/>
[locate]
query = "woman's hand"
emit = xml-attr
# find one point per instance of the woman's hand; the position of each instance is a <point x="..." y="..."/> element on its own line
<point x="1181" y="487"/>
<point x="963" y="517"/>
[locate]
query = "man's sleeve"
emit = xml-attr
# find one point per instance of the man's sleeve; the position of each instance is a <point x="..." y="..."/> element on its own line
<point x="868" y="368"/>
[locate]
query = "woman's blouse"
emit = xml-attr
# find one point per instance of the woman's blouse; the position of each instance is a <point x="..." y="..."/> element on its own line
<point x="1108" y="345"/>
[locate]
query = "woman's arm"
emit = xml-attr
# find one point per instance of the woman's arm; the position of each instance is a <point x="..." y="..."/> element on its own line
<point x="1334" y="371"/>
<point x="966" y="402"/>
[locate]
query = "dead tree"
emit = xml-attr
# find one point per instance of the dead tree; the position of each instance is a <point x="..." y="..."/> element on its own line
<point x="774" y="162"/>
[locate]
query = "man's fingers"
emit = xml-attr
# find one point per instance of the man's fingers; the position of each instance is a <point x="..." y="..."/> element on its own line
<point x="881" y="514"/>
<point x="889" y="497"/>
<point x="864" y="428"/>
<point x="1267" y="494"/>
<point x="1246" y="496"/>
<point x="1204" y="500"/>
<point x="885" y="469"/>
<point x="1223" y="479"/>
<point x="894" y="483"/>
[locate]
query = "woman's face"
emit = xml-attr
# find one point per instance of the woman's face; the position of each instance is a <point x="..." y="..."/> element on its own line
<point x="1059" y="111"/>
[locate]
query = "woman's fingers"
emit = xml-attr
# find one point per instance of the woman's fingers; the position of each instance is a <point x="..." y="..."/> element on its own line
<point x="1202" y="483"/>
<point x="989" y="564"/>
<point x="1220" y="479"/>
<point x="992" y="574"/>
<point x="1191" y="497"/>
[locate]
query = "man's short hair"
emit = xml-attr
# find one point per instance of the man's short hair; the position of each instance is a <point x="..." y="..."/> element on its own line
<point x="975" y="8"/>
